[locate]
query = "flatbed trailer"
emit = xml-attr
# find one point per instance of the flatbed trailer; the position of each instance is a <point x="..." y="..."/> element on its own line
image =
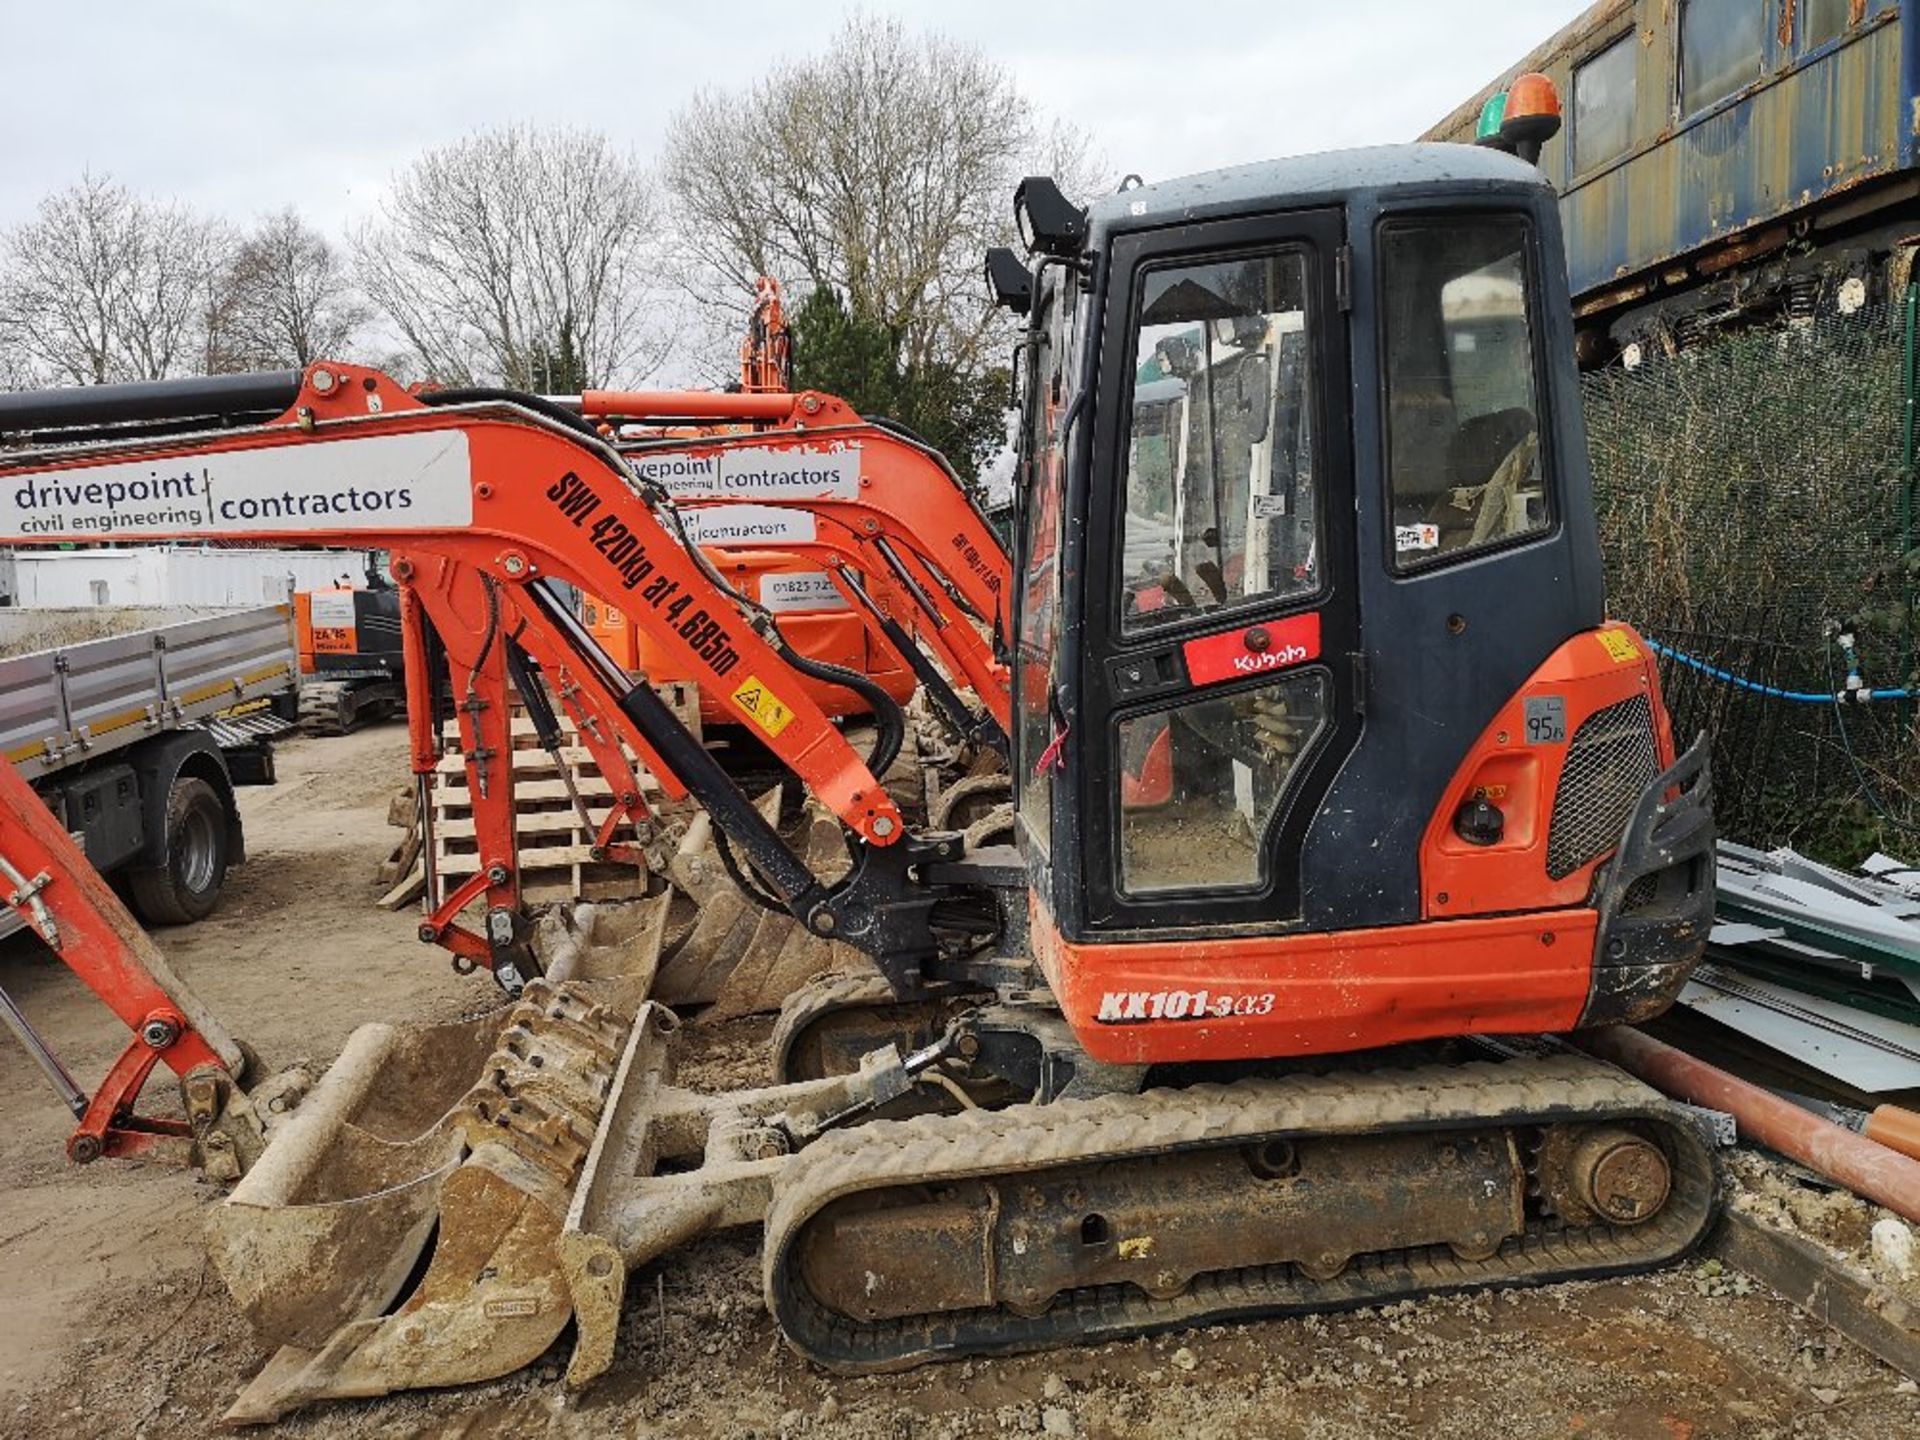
<point x="136" y="740"/>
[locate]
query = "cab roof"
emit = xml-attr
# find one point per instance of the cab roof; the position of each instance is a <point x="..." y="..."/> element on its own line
<point x="1300" y="180"/>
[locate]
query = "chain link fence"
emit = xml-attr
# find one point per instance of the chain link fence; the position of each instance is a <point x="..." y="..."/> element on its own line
<point x="1752" y="496"/>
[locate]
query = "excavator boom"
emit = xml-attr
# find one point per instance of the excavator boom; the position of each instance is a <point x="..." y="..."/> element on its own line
<point x="480" y="502"/>
<point x="62" y="899"/>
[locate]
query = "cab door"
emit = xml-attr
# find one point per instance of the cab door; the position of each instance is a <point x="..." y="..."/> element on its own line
<point x="1219" y="671"/>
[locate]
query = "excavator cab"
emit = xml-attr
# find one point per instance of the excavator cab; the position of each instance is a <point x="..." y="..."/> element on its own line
<point x="1305" y="540"/>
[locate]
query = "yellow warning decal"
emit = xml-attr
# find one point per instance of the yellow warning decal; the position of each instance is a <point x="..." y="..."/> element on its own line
<point x="1619" y="644"/>
<point x="766" y="708"/>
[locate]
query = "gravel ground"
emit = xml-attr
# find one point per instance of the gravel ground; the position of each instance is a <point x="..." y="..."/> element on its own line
<point x="117" y="1326"/>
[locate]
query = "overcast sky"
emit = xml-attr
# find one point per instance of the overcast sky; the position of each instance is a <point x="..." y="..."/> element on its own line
<point x="239" y="108"/>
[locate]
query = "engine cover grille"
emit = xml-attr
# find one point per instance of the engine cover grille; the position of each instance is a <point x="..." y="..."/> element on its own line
<point x="1610" y="761"/>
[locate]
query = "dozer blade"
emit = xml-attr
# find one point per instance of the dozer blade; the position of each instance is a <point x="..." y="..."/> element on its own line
<point x="457" y="1144"/>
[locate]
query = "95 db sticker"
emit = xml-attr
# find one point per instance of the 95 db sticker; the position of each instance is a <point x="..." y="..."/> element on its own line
<point x="1142" y="1007"/>
<point x="1546" y="719"/>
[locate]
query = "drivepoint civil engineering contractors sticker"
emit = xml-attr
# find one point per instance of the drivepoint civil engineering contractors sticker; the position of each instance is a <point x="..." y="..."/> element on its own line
<point x="763" y="705"/>
<point x="723" y="526"/>
<point x="377" y="482"/>
<point x="801" y="590"/>
<point x="755" y="472"/>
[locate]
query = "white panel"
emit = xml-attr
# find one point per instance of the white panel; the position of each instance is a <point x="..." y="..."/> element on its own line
<point x="757" y="472"/>
<point x="378" y="482"/>
<point x="810" y="590"/>
<point x="747" y="525"/>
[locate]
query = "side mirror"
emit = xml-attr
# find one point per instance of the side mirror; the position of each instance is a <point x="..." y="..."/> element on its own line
<point x="1008" y="280"/>
<point x="1050" y="224"/>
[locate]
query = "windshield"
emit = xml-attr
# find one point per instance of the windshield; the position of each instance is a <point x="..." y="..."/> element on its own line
<point x="1220" y="507"/>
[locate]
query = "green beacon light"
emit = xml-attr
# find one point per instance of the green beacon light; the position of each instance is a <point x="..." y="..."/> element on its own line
<point x="1493" y="115"/>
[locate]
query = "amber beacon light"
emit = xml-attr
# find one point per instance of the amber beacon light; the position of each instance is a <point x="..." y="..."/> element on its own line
<point x="1521" y="118"/>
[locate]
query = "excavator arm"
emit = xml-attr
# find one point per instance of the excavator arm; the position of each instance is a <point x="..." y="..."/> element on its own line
<point x="815" y="452"/>
<point x="482" y="498"/>
<point x="816" y="473"/>
<point x="50" y="885"/>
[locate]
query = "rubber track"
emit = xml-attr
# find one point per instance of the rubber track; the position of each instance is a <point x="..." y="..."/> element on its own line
<point x="817" y="998"/>
<point x="936" y="1148"/>
<point x="320" y="709"/>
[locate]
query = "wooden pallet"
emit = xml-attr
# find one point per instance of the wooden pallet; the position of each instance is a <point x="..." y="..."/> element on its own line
<point x="556" y="861"/>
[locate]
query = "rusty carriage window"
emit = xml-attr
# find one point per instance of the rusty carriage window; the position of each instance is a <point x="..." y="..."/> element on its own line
<point x="1722" y="47"/>
<point x="1823" y="20"/>
<point x="1604" y="93"/>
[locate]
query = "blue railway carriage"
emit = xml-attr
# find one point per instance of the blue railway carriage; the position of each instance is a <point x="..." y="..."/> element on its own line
<point x="1728" y="158"/>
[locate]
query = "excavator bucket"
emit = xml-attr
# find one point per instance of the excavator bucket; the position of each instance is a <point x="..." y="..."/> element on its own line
<point x="737" y="959"/>
<point x="445" y="1152"/>
<point x="725" y="919"/>
<point x="782" y="954"/>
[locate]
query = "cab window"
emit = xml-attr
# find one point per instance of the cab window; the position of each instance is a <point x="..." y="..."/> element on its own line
<point x="1220" y="504"/>
<point x="1201" y="781"/>
<point x="1041" y="479"/>
<point x="1464" y="465"/>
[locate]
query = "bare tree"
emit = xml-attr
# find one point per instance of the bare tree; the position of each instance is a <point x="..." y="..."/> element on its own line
<point x="521" y="256"/>
<point x="882" y="169"/>
<point x="15" y="371"/>
<point x="103" y="285"/>
<point x="285" y="300"/>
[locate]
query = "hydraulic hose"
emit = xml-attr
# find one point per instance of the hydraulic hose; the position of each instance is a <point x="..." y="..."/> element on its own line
<point x="737" y="873"/>
<point x="539" y="404"/>
<point x="887" y="714"/>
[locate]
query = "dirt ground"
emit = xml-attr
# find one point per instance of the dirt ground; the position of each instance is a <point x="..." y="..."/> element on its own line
<point x="114" y="1325"/>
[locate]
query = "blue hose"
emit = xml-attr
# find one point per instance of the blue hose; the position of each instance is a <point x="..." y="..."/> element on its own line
<point x="1773" y="692"/>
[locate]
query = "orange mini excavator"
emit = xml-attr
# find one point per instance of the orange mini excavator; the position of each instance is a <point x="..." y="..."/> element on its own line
<point x="1304" y="511"/>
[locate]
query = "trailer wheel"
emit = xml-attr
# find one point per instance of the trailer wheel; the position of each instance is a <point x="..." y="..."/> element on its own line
<point x="187" y="887"/>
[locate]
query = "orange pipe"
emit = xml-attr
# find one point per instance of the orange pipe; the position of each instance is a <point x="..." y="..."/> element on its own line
<point x="684" y="405"/>
<point x="1895" y="1128"/>
<point x="1863" y="1166"/>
